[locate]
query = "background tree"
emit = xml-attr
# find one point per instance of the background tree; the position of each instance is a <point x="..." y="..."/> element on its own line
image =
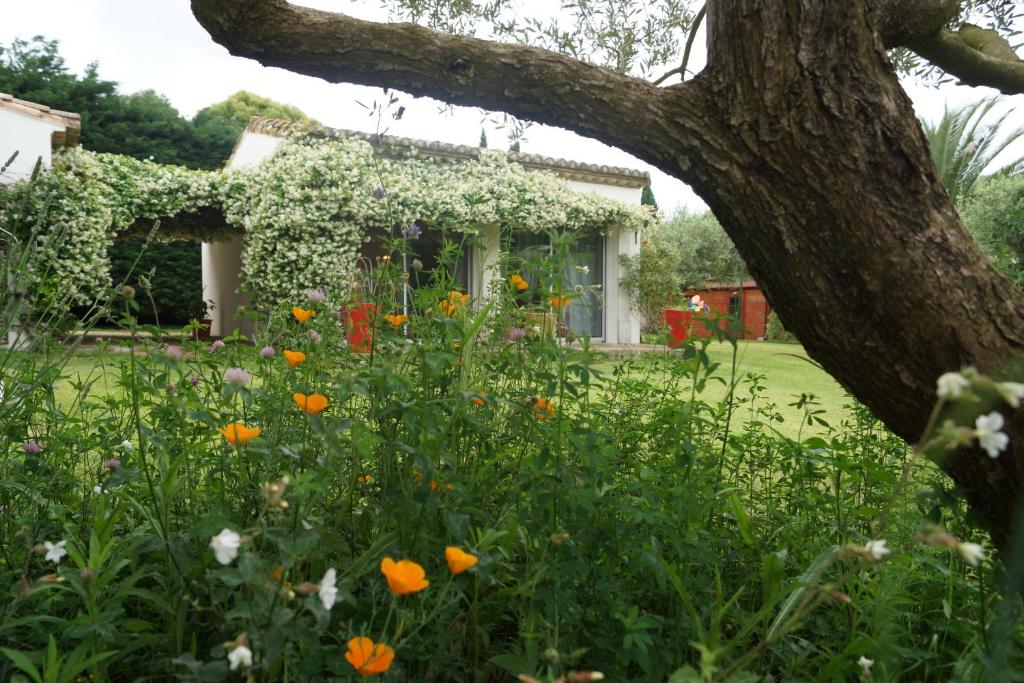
<point x="647" y="197"/>
<point x="965" y="145"/>
<point x="483" y="138"/>
<point x="703" y="250"/>
<point x="652" y="280"/>
<point x="796" y="133"/>
<point x="219" y="125"/>
<point x="994" y="214"/>
<point x="143" y="125"/>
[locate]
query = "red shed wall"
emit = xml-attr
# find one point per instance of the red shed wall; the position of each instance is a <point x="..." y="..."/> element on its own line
<point x="755" y="309"/>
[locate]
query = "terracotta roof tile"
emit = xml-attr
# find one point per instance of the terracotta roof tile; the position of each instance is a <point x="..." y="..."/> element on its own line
<point x="71" y="122"/>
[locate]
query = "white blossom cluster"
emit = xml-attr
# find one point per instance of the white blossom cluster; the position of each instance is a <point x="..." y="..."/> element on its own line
<point x="304" y="211"/>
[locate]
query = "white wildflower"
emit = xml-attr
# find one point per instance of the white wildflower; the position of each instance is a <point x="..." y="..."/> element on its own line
<point x="1012" y="392"/>
<point x="876" y="549"/>
<point x="865" y="665"/>
<point x="951" y="385"/>
<point x="127" y="445"/>
<point x="240" y="656"/>
<point x="225" y="546"/>
<point x="988" y="430"/>
<point x="328" y="590"/>
<point x="973" y="553"/>
<point x="55" y="551"/>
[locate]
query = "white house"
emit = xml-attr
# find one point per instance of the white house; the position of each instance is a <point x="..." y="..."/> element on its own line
<point x="609" y="318"/>
<point x="34" y="132"/>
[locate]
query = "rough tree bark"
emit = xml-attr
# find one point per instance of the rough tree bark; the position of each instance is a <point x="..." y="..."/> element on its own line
<point x="798" y="136"/>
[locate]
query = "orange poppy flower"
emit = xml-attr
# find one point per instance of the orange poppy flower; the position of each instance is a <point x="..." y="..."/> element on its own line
<point x="459" y="560"/>
<point x="369" y="658"/>
<point x="543" y="409"/>
<point x="434" y="486"/>
<point x="365" y="479"/>
<point x="396" y="320"/>
<point x="313" y="404"/>
<point x="404" y="576"/>
<point x="303" y="314"/>
<point x="294" y="358"/>
<point x="559" y="301"/>
<point x="518" y="282"/>
<point x="238" y="434"/>
<point x="480" y="399"/>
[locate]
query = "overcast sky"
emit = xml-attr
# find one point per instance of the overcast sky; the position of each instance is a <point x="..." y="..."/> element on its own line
<point x="158" y="45"/>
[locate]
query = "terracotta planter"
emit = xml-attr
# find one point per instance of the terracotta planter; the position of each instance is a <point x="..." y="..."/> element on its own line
<point x="359" y="326"/>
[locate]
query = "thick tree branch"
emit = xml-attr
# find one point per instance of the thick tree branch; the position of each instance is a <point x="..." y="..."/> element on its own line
<point x="951" y="53"/>
<point x="528" y="82"/>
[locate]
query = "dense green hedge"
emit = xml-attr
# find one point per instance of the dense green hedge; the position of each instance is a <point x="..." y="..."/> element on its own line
<point x="175" y="275"/>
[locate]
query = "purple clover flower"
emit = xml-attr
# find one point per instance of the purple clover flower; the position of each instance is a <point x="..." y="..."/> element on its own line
<point x="315" y="296"/>
<point x="174" y="352"/>
<point x="216" y="346"/>
<point x="516" y="333"/>
<point x="112" y="464"/>
<point x="31" y="447"/>
<point x="412" y="231"/>
<point x="267" y="352"/>
<point x="379" y="193"/>
<point x="237" y="376"/>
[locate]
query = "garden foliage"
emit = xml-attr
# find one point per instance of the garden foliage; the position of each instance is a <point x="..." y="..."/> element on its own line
<point x="468" y="501"/>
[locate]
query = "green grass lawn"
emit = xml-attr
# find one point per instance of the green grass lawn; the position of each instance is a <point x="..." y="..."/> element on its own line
<point x="787" y="369"/>
<point x="788" y="372"/>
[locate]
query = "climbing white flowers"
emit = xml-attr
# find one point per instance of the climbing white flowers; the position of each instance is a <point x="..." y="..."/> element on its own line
<point x="988" y="430"/>
<point x="328" y="589"/>
<point x="55" y="551"/>
<point x="951" y="385"/>
<point x="225" y="546"/>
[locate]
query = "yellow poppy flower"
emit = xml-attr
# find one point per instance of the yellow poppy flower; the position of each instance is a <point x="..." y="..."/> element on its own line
<point x="294" y="358"/>
<point x="404" y="576"/>
<point x="303" y="314"/>
<point x="518" y="282"/>
<point x="313" y="404"/>
<point x="396" y="320"/>
<point x="238" y="434"/>
<point x="369" y="658"/>
<point x="455" y="301"/>
<point x="459" y="560"/>
<point x="480" y="399"/>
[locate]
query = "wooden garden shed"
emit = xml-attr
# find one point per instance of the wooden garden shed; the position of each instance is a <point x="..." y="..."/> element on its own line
<point x="744" y="299"/>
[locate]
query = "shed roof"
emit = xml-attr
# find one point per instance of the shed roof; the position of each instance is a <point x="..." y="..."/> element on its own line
<point x="70" y="122"/>
<point x="448" y="152"/>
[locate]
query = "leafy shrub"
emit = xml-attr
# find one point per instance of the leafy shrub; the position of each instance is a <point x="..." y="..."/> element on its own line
<point x="776" y="331"/>
<point x="651" y="281"/>
<point x="994" y="215"/>
<point x="174" y="273"/>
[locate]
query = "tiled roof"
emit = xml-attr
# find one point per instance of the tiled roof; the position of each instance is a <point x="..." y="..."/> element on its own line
<point x="447" y="152"/>
<point x="72" y="123"/>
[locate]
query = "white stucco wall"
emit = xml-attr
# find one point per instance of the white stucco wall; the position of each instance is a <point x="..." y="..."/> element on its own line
<point x="621" y="321"/>
<point x="30" y="137"/>
<point x="222" y="261"/>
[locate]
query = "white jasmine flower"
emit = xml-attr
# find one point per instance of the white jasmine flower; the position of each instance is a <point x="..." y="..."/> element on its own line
<point x="55" y="551"/>
<point x="225" y="546"/>
<point x="328" y="590"/>
<point x="973" y="553"/>
<point x="951" y="385"/>
<point x="987" y="428"/>
<point x="865" y="665"/>
<point x="240" y="656"/>
<point x="1012" y="392"/>
<point x="876" y="549"/>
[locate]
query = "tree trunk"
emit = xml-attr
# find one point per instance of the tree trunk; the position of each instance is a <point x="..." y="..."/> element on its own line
<point x="799" y="138"/>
